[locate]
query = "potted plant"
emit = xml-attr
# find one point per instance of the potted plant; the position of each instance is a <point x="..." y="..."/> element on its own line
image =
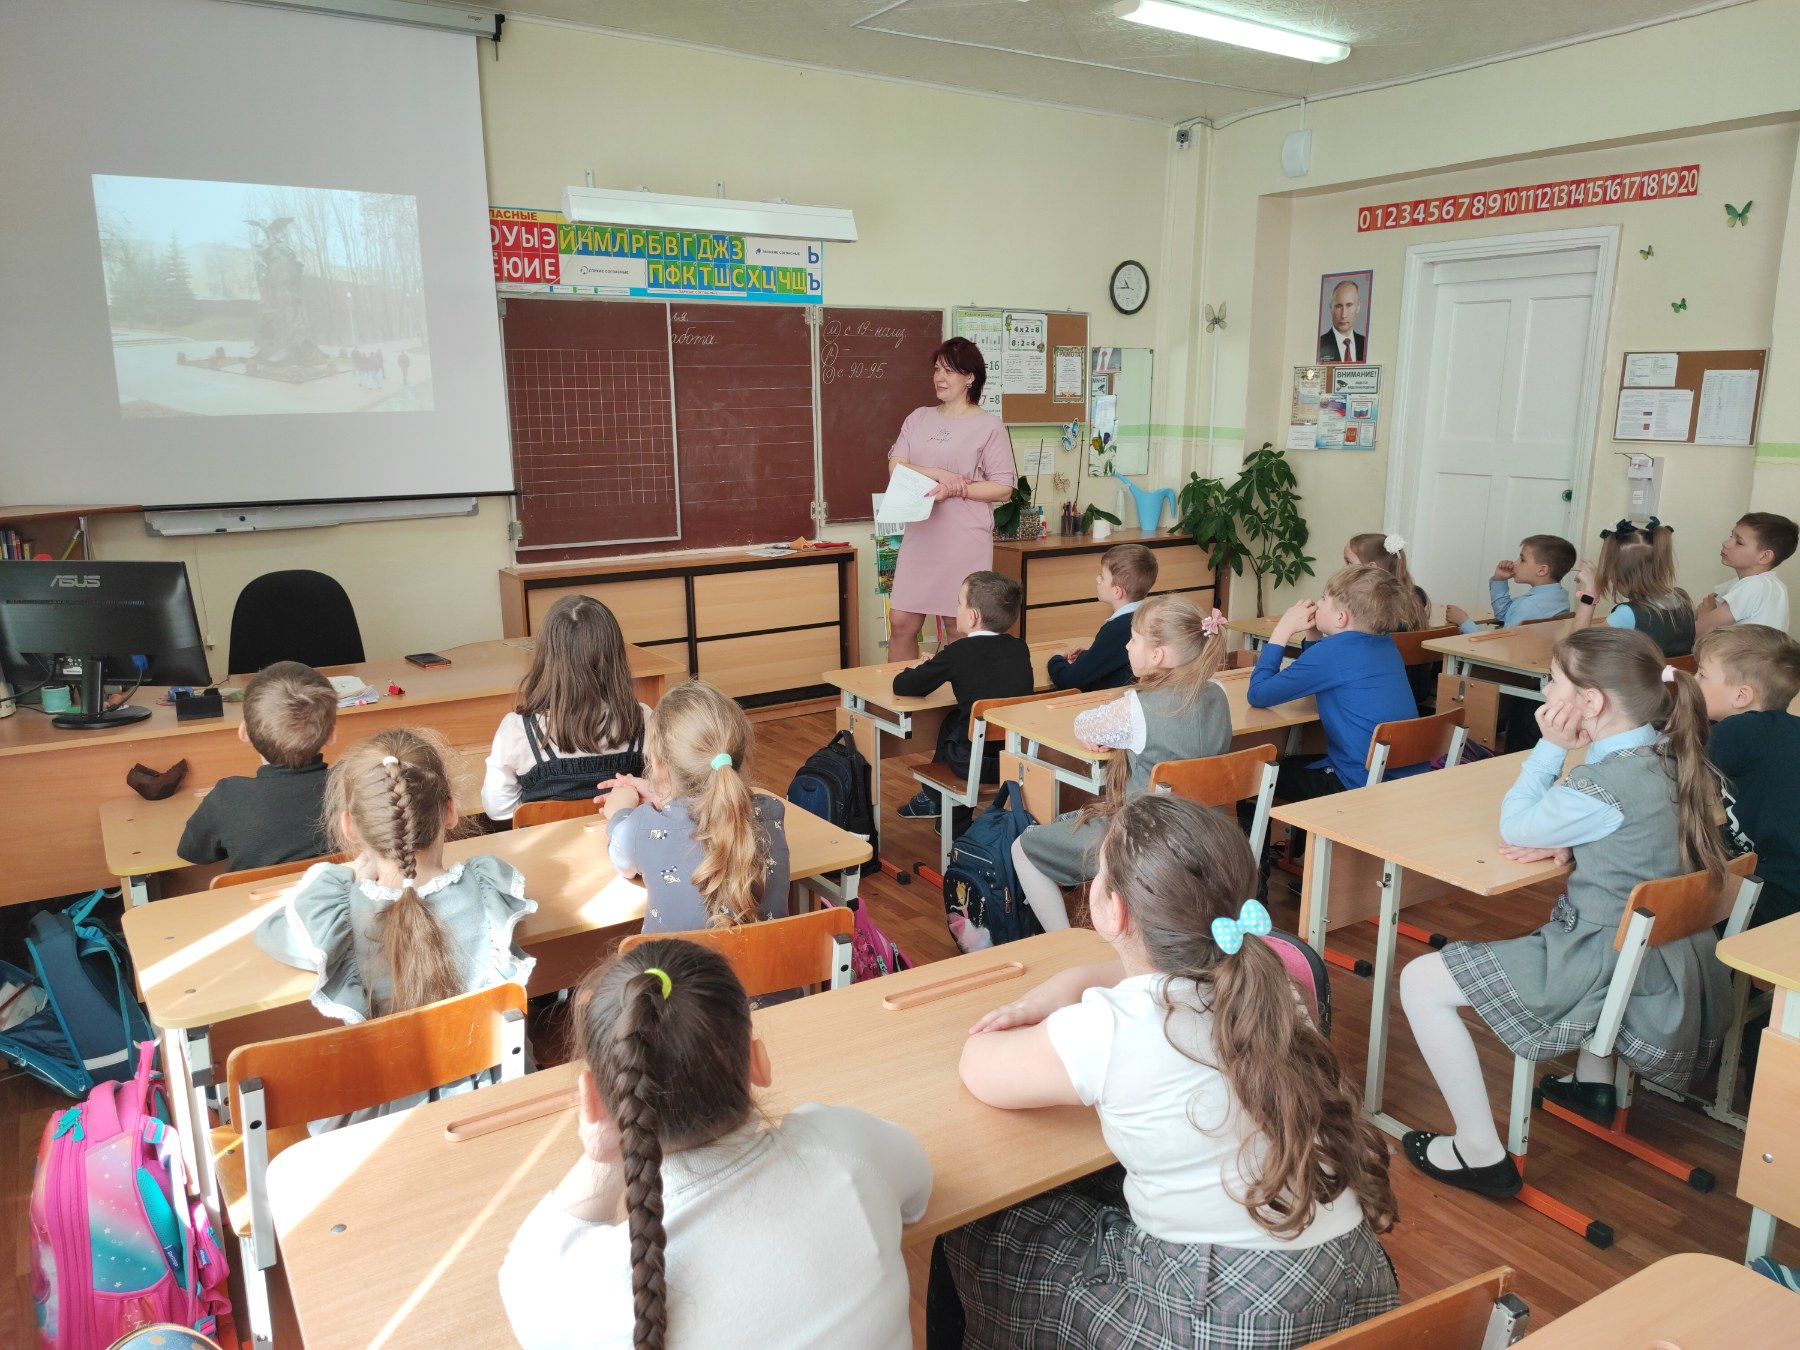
<point x="1255" y="519"/>
<point x="1008" y="513"/>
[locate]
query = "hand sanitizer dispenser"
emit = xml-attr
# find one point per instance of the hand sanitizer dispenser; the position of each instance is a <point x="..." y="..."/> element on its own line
<point x="1643" y="481"/>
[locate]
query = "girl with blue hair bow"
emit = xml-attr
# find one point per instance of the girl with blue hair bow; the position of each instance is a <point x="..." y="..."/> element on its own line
<point x="1249" y="1187"/>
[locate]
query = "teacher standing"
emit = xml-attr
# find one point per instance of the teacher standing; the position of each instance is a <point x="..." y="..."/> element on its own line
<point x="968" y="456"/>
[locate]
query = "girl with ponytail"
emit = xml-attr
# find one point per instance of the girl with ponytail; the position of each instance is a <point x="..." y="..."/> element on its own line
<point x="670" y="1132"/>
<point x="1176" y="711"/>
<point x="1637" y="572"/>
<point x="712" y="852"/>
<point x="395" y="928"/>
<point x="1644" y="805"/>
<point x="1388" y="552"/>
<point x="1248" y="1175"/>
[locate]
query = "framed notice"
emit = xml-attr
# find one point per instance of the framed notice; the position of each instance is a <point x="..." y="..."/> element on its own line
<point x="1692" y="398"/>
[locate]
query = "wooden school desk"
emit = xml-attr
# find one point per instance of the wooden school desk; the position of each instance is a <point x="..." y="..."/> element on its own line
<point x="1033" y="728"/>
<point x="1770" y="1176"/>
<point x="141" y="838"/>
<point x="1689" y="1302"/>
<point x="1443" y="826"/>
<point x="1524" y="651"/>
<point x="198" y="964"/>
<point x="392" y="1236"/>
<point x="53" y="781"/>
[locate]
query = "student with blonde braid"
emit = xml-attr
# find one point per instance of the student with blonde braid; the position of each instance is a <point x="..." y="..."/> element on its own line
<point x="711" y="850"/>
<point x="1644" y="805"/>
<point x="1250" y="1187"/>
<point x="671" y="1133"/>
<point x="1176" y="711"/>
<point x="396" y="928"/>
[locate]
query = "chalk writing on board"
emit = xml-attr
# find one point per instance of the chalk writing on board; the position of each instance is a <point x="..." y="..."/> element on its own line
<point x="840" y="329"/>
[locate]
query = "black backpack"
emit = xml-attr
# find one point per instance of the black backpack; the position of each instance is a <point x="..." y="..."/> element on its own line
<point x="833" y="784"/>
<point x="984" y="904"/>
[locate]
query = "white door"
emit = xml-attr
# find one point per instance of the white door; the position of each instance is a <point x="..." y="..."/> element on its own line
<point x="1500" y="434"/>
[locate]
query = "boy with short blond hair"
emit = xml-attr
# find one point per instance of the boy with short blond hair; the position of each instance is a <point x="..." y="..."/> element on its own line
<point x="1759" y="543"/>
<point x="1544" y="560"/>
<point x="1127" y="572"/>
<point x="290" y="716"/>
<point x="1749" y="674"/>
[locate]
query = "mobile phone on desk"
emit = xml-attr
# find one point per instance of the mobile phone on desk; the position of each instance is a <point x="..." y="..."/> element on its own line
<point x="428" y="660"/>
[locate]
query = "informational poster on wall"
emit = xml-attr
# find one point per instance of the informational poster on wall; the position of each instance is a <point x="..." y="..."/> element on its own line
<point x="1026" y="370"/>
<point x="1068" y="373"/>
<point x="986" y="328"/>
<point x="1334" y="408"/>
<point x="540" y="253"/>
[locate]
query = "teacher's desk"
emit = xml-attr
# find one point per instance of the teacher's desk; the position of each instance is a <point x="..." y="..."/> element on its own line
<point x="392" y="1235"/>
<point x="53" y="781"/>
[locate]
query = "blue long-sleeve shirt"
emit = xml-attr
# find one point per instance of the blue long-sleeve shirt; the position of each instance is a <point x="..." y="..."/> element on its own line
<point x="1540" y="813"/>
<point x="1540" y="602"/>
<point x="1359" y="682"/>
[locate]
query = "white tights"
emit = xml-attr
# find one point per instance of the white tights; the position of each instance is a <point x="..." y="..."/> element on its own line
<point x="1043" y="895"/>
<point x="1433" y="1004"/>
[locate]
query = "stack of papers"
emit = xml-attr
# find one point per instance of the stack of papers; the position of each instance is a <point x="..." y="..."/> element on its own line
<point x="352" y="692"/>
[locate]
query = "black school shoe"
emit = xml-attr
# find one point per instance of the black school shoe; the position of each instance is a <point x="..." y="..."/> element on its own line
<point x="923" y="805"/>
<point x="1500" y="1180"/>
<point x="1591" y="1101"/>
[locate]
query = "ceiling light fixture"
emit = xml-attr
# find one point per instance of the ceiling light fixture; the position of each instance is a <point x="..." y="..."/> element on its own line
<point x="1203" y="23"/>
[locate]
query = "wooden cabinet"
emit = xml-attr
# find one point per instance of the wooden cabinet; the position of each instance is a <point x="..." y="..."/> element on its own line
<point x="1057" y="576"/>
<point x="762" y="629"/>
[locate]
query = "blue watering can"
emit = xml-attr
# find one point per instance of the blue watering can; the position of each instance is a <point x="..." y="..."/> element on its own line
<point x="1149" y="504"/>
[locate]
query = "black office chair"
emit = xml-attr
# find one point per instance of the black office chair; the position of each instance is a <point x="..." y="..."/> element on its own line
<point x="293" y="616"/>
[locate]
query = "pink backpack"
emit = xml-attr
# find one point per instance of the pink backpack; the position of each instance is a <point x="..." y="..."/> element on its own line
<point x="116" y="1243"/>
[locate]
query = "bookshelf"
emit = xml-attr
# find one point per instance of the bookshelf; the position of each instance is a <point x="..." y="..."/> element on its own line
<point x="53" y="529"/>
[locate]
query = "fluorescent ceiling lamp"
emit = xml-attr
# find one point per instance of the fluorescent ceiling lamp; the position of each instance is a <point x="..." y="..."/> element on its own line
<point x="1203" y="23"/>
<point x="475" y="22"/>
<point x="660" y="211"/>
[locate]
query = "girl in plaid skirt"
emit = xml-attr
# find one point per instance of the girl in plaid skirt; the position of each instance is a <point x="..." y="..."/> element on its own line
<point x="1244" y="1210"/>
<point x="1640" y="808"/>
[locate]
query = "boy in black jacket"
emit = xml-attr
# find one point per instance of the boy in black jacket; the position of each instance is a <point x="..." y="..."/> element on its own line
<point x="1127" y="572"/>
<point x="987" y="662"/>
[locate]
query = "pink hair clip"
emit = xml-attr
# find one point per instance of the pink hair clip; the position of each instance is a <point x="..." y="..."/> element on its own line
<point x="1213" y="623"/>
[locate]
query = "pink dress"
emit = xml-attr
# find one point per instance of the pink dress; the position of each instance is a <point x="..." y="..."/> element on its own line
<point x="957" y="538"/>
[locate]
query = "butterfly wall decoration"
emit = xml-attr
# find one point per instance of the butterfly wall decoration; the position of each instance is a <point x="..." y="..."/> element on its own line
<point x="1678" y="305"/>
<point x="1647" y="252"/>
<point x="1737" y="215"/>
<point x="1216" y="318"/>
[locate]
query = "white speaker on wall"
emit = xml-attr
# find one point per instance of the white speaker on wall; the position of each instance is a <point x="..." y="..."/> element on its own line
<point x="1296" y="153"/>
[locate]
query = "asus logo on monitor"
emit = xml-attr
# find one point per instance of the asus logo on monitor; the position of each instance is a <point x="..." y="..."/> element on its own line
<point x="70" y="579"/>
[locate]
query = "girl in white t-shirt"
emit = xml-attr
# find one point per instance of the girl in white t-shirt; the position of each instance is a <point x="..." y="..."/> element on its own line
<point x="736" y="1231"/>
<point x="1250" y="1188"/>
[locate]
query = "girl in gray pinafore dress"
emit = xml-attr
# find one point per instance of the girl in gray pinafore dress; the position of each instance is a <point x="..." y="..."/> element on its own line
<point x="1627" y="815"/>
<point x="1176" y="712"/>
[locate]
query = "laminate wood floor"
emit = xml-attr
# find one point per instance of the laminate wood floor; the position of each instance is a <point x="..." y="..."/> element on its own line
<point x="1443" y="1235"/>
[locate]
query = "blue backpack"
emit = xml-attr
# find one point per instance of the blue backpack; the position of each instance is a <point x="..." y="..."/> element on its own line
<point x="88" y="1020"/>
<point x="833" y="784"/>
<point x="983" y="902"/>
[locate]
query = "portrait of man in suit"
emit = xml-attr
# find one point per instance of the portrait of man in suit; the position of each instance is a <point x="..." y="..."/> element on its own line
<point x="1344" y="318"/>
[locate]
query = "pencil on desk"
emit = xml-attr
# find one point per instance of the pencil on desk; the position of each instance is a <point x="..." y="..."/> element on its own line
<point x="1489" y="637"/>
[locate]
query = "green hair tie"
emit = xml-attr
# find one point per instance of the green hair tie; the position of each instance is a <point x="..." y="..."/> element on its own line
<point x="722" y="760"/>
<point x="667" y="984"/>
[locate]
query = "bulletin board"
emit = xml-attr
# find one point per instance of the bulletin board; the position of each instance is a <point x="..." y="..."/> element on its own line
<point x="1063" y="329"/>
<point x="1696" y="398"/>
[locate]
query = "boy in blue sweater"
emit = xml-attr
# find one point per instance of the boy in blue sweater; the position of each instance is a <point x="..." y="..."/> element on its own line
<point x="1354" y="672"/>
<point x="1127" y="572"/>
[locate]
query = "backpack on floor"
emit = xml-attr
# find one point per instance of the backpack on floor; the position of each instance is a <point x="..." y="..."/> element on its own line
<point x="116" y="1243"/>
<point x="983" y="902"/>
<point x="88" y="1020"/>
<point x="872" y="952"/>
<point x="833" y="784"/>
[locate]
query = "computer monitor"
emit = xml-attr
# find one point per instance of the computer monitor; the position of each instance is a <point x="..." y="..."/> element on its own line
<point x="110" y="619"/>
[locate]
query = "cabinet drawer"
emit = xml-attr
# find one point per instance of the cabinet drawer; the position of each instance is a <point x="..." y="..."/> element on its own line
<point x="769" y="597"/>
<point x="1180" y="567"/>
<point x="1071" y="624"/>
<point x="1068" y="576"/>
<point x="1774" y="1130"/>
<point x="744" y="666"/>
<point x="651" y="610"/>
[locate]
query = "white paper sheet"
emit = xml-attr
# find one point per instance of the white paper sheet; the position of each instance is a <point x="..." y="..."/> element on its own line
<point x="905" y="498"/>
<point x="1653" y="415"/>
<point x="1302" y="436"/>
<point x="1653" y="370"/>
<point x="1040" y="458"/>
<point x="1727" y="407"/>
<point x="1026" y="370"/>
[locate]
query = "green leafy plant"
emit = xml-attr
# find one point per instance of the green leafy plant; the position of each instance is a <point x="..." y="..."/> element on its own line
<point x="1091" y="513"/>
<point x="1007" y="513"/>
<point x="1255" y="519"/>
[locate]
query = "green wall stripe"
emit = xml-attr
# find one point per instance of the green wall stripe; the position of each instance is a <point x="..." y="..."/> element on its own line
<point x="1775" y="450"/>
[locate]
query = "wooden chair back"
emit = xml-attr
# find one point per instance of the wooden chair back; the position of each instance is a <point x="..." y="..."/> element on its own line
<point x="1685" y="905"/>
<point x="225" y="879"/>
<point x="978" y="710"/>
<point x="1416" y="740"/>
<point x="1217" y="780"/>
<point x="1689" y="663"/>
<point x="1412" y="645"/>
<point x="344" y="1069"/>
<point x="527" y="814"/>
<point x="777" y="954"/>
<point x="1456" y="1318"/>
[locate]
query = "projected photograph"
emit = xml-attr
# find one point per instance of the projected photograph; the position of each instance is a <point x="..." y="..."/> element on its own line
<point x="235" y="299"/>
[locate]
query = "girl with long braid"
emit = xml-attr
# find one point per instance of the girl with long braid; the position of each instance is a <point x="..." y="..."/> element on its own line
<point x="709" y="1253"/>
<point x="395" y="928"/>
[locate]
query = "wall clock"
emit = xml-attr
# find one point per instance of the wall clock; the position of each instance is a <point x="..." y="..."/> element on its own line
<point x="1130" y="287"/>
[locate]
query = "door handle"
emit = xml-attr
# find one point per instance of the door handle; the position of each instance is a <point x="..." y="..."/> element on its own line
<point x="1568" y="494"/>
